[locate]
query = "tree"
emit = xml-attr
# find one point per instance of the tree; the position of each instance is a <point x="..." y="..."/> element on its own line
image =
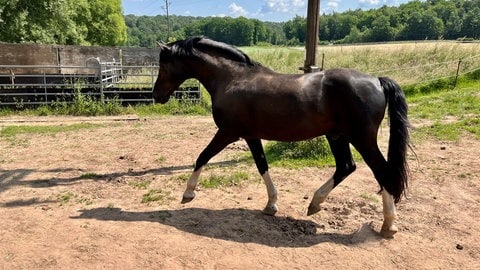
<point x="49" y="21"/>
<point x="244" y="31"/>
<point x="381" y="30"/>
<point x="296" y="29"/>
<point x="84" y="22"/>
<point x="471" y="23"/>
<point x="107" y="25"/>
<point x="423" y="25"/>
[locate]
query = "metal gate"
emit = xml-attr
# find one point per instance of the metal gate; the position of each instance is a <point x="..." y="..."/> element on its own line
<point x="103" y="81"/>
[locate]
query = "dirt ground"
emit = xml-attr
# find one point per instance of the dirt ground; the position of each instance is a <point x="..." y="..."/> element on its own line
<point x="52" y="216"/>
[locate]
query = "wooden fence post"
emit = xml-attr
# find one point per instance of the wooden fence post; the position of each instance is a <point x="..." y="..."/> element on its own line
<point x="311" y="42"/>
<point x="458" y="72"/>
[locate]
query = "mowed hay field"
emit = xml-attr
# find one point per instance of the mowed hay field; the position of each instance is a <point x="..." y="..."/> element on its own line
<point x="104" y="192"/>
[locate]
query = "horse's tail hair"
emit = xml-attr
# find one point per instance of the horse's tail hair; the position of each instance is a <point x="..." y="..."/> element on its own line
<point x="396" y="181"/>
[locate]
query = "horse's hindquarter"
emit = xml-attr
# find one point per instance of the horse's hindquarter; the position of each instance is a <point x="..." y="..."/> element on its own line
<point x="275" y="107"/>
<point x="357" y="99"/>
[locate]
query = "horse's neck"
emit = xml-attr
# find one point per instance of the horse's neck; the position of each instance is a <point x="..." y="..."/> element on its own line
<point x="215" y="74"/>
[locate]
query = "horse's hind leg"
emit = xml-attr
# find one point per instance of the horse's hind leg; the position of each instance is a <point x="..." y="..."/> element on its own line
<point x="256" y="148"/>
<point x="377" y="163"/>
<point x="218" y="143"/>
<point x="344" y="166"/>
<point x="388" y="228"/>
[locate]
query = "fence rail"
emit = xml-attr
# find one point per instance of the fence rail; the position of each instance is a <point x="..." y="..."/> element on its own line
<point x="40" y="85"/>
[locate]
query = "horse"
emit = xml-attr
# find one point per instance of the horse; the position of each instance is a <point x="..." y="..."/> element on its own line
<point x="253" y="102"/>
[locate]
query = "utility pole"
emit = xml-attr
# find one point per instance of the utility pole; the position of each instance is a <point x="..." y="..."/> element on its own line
<point x="165" y="8"/>
<point x="313" y="14"/>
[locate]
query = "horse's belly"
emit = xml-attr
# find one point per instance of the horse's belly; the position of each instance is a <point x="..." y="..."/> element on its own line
<point x="291" y="131"/>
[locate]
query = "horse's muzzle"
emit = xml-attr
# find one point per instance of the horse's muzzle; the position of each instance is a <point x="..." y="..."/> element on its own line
<point x="159" y="96"/>
<point x="162" y="99"/>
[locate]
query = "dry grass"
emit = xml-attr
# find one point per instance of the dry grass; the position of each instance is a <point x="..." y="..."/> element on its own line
<point x="408" y="63"/>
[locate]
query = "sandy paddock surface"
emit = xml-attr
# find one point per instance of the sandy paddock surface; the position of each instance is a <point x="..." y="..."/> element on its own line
<point x="73" y="200"/>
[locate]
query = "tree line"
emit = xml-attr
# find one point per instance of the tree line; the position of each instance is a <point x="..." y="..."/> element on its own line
<point x="100" y="22"/>
<point x="414" y="20"/>
<point x="145" y="31"/>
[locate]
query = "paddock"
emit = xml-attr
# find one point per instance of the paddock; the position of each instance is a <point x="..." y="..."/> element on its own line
<point x="69" y="204"/>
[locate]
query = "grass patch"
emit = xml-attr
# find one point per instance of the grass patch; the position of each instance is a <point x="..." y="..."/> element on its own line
<point x="452" y="112"/>
<point x="89" y="176"/>
<point x="66" y="197"/>
<point x="216" y="180"/>
<point x="156" y="195"/>
<point x="82" y="105"/>
<point x="173" y="107"/>
<point x="182" y="178"/>
<point x="12" y="131"/>
<point x="140" y="184"/>
<point x="311" y="153"/>
<point x="370" y="197"/>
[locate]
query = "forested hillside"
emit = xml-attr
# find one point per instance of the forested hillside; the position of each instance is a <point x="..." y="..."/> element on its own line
<point x="100" y="22"/>
<point x="415" y="20"/>
<point x="146" y="30"/>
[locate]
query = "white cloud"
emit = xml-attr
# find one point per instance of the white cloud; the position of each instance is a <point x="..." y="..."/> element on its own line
<point x="283" y="6"/>
<point x="237" y="10"/>
<point x="365" y="4"/>
<point x="370" y="2"/>
<point x="333" y="4"/>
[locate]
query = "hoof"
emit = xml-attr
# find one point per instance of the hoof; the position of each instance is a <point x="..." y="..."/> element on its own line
<point x="270" y="210"/>
<point x="187" y="199"/>
<point x="388" y="232"/>
<point x="313" y="209"/>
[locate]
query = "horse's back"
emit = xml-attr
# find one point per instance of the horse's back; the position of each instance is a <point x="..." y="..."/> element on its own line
<point x="297" y="107"/>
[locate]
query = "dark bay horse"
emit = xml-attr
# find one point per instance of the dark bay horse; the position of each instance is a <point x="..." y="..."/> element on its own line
<point x="253" y="102"/>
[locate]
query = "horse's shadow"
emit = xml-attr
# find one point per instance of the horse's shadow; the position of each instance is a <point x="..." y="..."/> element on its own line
<point x="238" y="225"/>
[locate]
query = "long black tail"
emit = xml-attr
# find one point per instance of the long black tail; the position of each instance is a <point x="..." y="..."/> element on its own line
<point x="397" y="167"/>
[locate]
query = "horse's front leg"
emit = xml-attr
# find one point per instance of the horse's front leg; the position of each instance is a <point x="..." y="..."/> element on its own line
<point x="189" y="193"/>
<point x="218" y="143"/>
<point x="256" y="148"/>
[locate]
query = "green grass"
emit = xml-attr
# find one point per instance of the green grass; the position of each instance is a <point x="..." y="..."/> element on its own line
<point x="156" y="195"/>
<point x="12" y="131"/>
<point x="311" y="153"/>
<point x="225" y="180"/>
<point x="140" y="184"/>
<point x="89" y="176"/>
<point x="173" y="107"/>
<point x="66" y="197"/>
<point x="450" y="114"/>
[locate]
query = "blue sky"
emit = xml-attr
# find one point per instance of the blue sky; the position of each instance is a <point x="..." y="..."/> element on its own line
<point x="265" y="10"/>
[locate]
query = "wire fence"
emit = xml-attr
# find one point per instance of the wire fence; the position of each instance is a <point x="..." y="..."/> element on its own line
<point x="432" y="72"/>
<point x="104" y="81"/>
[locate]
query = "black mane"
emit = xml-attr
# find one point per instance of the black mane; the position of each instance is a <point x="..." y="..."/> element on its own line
<point x="192" y="47"/>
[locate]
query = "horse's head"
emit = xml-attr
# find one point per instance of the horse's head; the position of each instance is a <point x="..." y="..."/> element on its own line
<point x="170" y="74"/>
